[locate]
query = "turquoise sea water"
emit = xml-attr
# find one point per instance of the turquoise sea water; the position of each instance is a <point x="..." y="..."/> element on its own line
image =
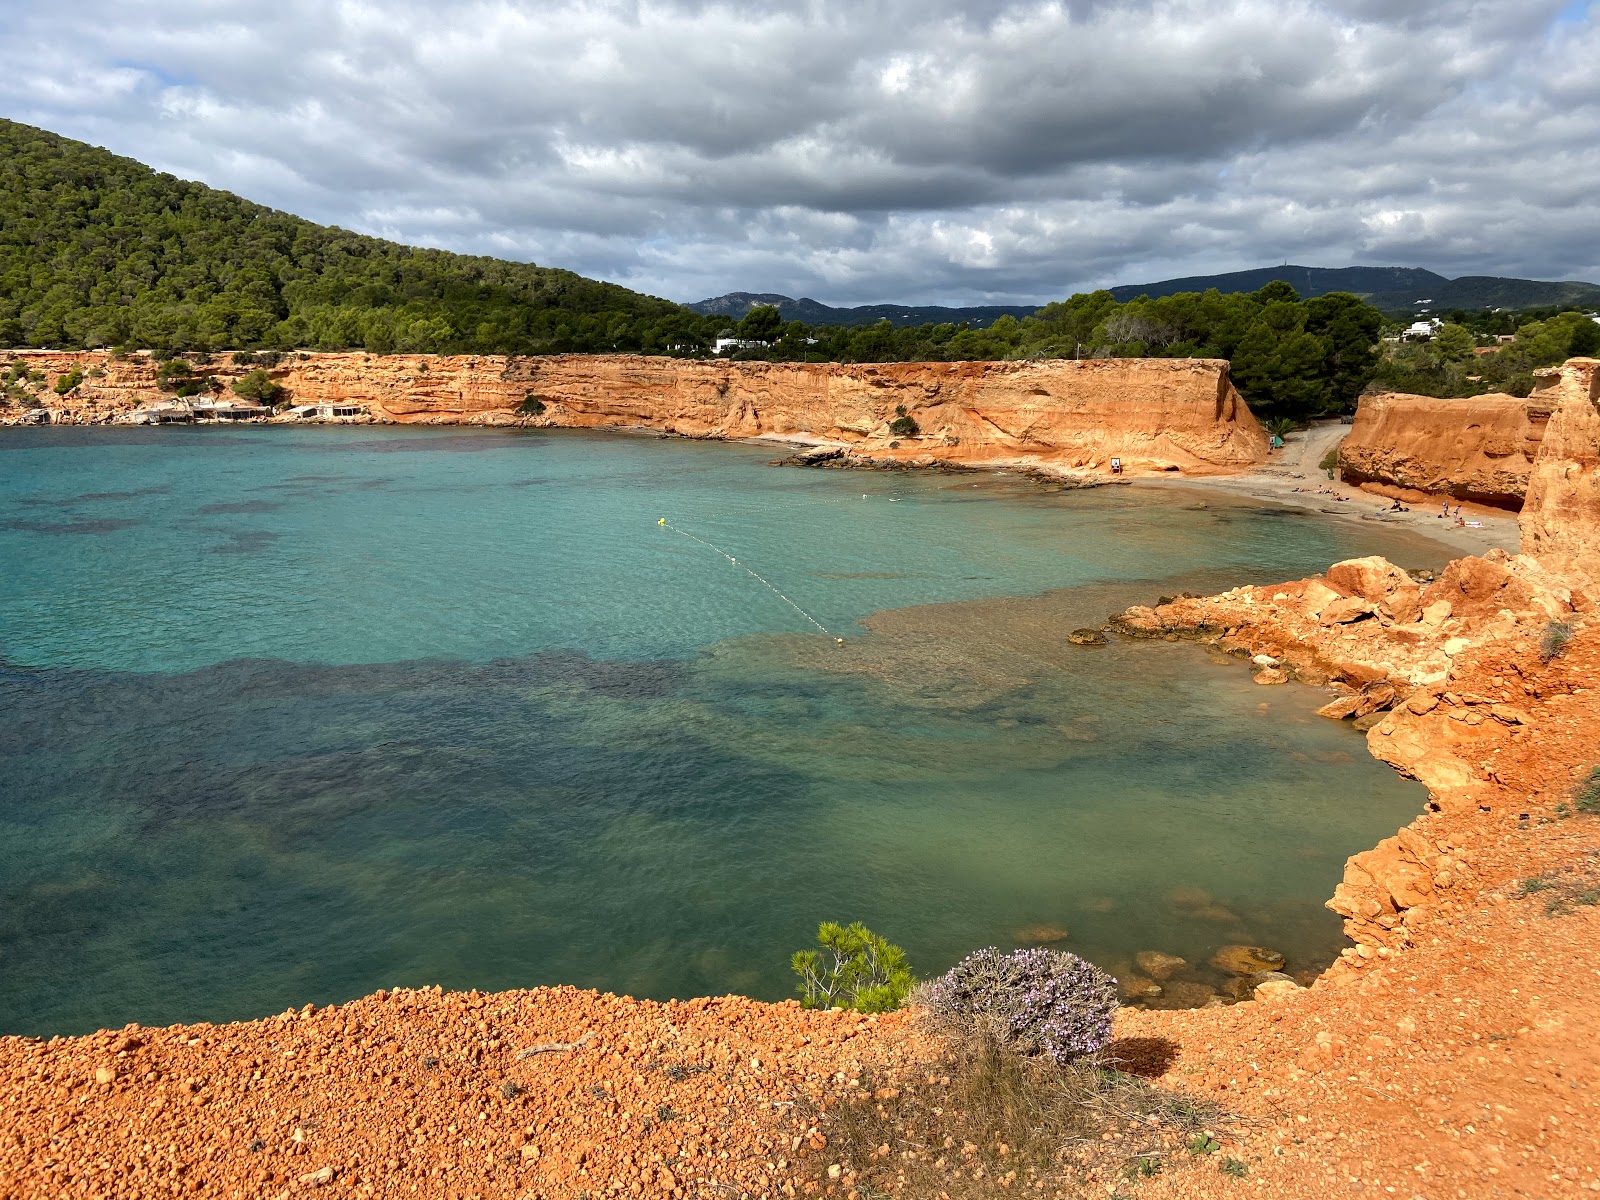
<point x="291" y="715"/>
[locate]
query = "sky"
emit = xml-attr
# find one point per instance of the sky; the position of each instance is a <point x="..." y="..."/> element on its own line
<point x="863" y="151"/>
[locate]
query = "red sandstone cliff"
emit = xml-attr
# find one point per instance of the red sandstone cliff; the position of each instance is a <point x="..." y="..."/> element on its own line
<point x="1479" y="449"/>
<point x="1561" y="520"/>
<point x="1153" y="414"/>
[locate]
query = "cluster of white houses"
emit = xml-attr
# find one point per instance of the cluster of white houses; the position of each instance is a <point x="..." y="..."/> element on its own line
<point x="187" y="409"/>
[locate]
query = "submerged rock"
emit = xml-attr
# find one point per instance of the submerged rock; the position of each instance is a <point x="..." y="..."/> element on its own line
<point x="1247" y="960"/>
<point x="1086" y="637"/>
<point x="1189" y="897"/>
<point x="1041" y="935"/>
<point x="1184" y="993"/>
<point x="1159" y="965"/>
<point x="1134" y="989"/>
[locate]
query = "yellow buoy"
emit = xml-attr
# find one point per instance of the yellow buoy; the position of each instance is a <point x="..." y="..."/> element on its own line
<point x="663" y="521"/>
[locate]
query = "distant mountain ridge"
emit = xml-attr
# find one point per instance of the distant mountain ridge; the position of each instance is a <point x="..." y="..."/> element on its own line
<point x="1391" y="289"/>
<point x="1394" y="290"/>
<point x="735" y="305"/>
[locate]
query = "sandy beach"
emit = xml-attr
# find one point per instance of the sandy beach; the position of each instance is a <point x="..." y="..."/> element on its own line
<point x="1291" y="476"/>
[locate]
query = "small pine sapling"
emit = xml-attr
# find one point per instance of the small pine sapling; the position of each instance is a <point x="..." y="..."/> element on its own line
<point x="855" y="968"/>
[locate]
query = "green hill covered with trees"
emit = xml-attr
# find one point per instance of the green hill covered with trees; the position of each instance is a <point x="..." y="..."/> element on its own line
<point x="98" y="250"/>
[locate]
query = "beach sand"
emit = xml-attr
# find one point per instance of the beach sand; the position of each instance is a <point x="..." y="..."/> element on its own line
<point x="1291" y="476"/>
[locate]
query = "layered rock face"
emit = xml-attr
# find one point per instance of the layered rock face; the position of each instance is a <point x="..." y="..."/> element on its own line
<point x="1480" y="449"/>
<point x="1154" y="414"/>
<point x="1463" y="682"/>
<point x="1561" y="519"/>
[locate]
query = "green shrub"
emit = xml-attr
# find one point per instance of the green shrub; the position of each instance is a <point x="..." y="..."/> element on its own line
<point x="70" y="380"/>
<point x="258" y="386"/>
<point x="531" y="405"/>
<point x="1282" y="427"/>
<point x="172" y="374"/>
<point x="1588" y="798"/>
<point x="1553" y="642"/>
<point x="903" y="425"/>
<point x="854" y="969"/>
<point x="1330" y="460"/>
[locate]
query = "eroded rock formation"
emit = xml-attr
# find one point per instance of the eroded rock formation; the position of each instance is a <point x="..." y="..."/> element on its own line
<point x="1460" y="681"/>
<point x="1153" y="414"/>
<point x="1561" y="520"/>
<point x="1479" y="449"/>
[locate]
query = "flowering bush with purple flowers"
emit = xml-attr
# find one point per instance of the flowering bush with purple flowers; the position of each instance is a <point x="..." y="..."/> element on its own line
<point x="1037" y="1001"/>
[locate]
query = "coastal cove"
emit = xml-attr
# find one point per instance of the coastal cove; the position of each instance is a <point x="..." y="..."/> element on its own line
<point x="293" y="714"/>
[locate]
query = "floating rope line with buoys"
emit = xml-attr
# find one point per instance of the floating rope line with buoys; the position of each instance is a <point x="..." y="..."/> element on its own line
<point x="756" y="575"/>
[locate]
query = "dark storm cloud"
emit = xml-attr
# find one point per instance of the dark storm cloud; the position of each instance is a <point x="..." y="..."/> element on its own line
<point x="864" y="151"/>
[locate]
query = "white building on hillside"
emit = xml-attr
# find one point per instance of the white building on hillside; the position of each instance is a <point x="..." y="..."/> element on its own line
<point x="732" y="343"/>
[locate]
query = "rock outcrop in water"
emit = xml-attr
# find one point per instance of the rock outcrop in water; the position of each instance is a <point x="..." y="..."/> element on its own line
<point x="1180" y="415"/>
<point x="1479" y="449"/>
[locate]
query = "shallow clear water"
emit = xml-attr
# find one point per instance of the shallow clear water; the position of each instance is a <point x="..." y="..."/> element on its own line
<point x="290" y="715"/>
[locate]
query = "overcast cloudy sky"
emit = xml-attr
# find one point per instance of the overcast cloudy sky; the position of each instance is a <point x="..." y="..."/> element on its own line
<point x="863" y="150"/>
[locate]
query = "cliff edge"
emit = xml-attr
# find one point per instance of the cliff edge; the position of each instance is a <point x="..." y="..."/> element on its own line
<point x="1155" y="415"/>
<point x="1561" y="519"/>
<point x="1479" y="449"/>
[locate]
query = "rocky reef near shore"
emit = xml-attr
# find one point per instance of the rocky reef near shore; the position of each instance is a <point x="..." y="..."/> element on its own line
<point x="1154" y="415"/>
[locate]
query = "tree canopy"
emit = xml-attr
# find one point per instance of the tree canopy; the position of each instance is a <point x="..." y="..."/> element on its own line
<point x="1462" y="359"/>
<point x="98" y="250"/>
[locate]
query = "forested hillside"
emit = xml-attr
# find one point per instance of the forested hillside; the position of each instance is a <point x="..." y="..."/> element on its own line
<point x="98" y="250"/>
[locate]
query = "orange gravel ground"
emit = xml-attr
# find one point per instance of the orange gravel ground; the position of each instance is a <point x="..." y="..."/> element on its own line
<point x="1466" y="1068"/>
<point x="426" y="1093"/>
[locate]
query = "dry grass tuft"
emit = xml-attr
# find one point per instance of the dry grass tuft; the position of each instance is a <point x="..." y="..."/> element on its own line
<point x="1566" y="890"/>
<point x="983" y="1121"/>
